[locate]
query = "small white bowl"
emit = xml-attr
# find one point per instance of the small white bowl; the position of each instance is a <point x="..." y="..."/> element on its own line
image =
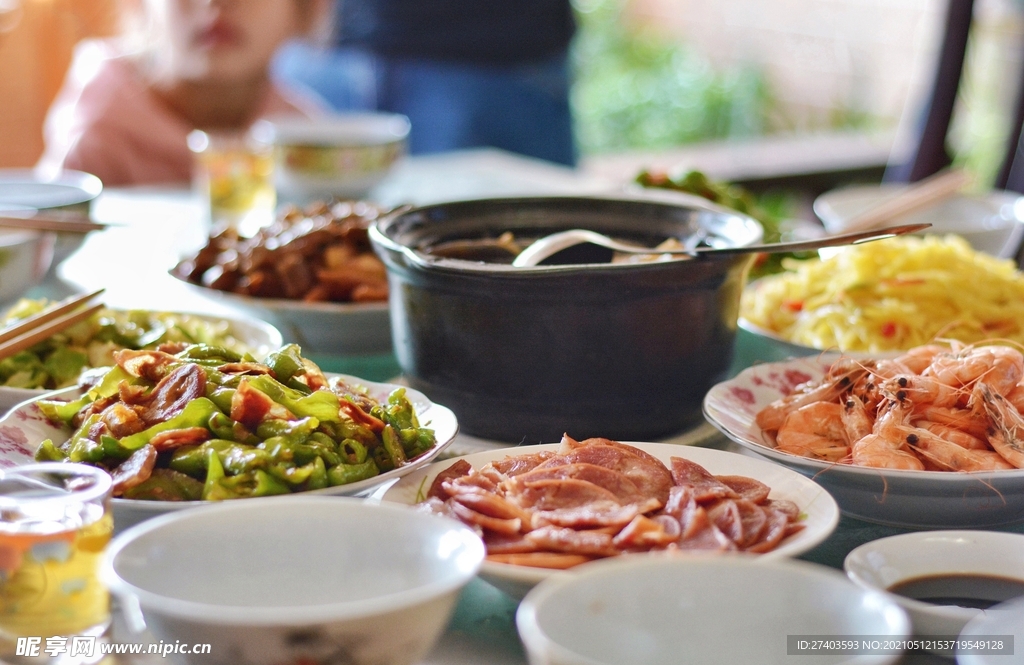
<point x="341" y="155"/>
<point x="999" y="621"/>
<point x="23" y="192"/>
<point x="883" y="563"/>
<point x="992" y="223"/>
<point x="25" y="256"/>
<point x="675" y="610"/>
<point x="314" y="578"/>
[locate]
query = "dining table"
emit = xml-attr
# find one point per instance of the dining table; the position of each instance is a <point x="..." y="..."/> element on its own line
<point x="152" y="228"/>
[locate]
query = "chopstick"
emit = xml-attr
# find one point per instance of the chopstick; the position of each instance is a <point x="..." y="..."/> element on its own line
<point x="76" y="224"/>
<point x="929" y="191"/>
<point x="51" y="320"/>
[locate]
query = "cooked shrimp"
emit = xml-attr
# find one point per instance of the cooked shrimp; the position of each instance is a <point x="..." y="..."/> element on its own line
<point x="876" y="451"/>
<point x="883" y="448"/>
<point x="974" y="421"/>
<point x="953" y="435"/>
<point x="815" y="430"/>
<point x="772" y="416"/>
<point x="949" y="456"/>
<point x="923" y="390"/>
<point x="918" y="358"/>
<point x="856" y="419"/>
<point x="1016" y="397"/>
<point x="1008" y="437"/>
<point x="868" y="387"/>
<point x="1001" y="367"/>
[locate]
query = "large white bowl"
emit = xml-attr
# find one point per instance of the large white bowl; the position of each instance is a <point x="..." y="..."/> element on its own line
<point x="336" y="328"/>
<point x="992" y="223"/>
<point x="25" y="427"/>
<point x="676" y="610"/>
<point x="883" y="563"/>
<point x="916" y="499"/>
<point x="302" y="579"/>
<point x="258" y="335"/>
<point x="342" y="155"/>
<point x="820" y="510"/>
<point x="1000" y="621"/>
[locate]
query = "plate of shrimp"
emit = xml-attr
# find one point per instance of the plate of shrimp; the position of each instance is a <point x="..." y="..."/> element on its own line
<point x="931" y="438"/>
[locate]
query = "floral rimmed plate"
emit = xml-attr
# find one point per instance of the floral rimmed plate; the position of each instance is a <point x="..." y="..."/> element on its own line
<point x="914" y="499"/>
<point x="25" y="427"/>
<point x="820" y="509"/>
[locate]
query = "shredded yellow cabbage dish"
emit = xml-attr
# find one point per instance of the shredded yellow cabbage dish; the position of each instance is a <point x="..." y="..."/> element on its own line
<point x="891" y="294"/>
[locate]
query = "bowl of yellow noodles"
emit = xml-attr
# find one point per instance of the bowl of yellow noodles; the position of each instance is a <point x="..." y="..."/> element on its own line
<point x="885" y="296"/>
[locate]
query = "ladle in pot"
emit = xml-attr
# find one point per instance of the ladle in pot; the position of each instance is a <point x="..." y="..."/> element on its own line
<point x="546" y="247"/>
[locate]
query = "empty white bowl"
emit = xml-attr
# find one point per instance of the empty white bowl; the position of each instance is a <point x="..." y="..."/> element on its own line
<point x="992" y="223"/>
<point x="316" y="578"/>
<point x="883" y="563"/>
<point x="342" y="155"/>
<point x="674" y="610"/>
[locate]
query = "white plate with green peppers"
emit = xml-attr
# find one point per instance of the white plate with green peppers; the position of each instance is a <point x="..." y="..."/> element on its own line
<point x="302" y="440"/>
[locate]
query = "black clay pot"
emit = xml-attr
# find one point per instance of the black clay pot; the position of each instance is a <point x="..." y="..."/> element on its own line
<point x="623" y="351"/>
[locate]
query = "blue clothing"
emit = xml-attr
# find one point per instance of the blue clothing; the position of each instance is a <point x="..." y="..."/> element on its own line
<point x="470" y="95"/>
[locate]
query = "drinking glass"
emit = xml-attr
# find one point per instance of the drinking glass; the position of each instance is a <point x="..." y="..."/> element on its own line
<point x="55" y="523"/>
<point x="234" y="173"/>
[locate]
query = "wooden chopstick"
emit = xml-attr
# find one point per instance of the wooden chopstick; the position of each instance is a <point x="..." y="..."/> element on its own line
<point x="929" y="191"/>
<point x="35" y="335"/>
<point x="77" y="224"/>
<point x="53" y="311"/>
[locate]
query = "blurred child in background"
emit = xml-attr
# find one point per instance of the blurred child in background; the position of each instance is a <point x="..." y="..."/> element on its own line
<point x="128" y="104"/>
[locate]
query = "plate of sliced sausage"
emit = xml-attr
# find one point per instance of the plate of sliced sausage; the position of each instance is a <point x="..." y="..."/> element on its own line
<point x="545" y="508"/>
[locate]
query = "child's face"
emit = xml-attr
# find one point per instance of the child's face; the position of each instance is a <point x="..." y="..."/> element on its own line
<point x="224" y="40"/>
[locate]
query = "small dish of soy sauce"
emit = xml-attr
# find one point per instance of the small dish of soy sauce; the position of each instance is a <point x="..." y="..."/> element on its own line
<point x="942" y="578"/>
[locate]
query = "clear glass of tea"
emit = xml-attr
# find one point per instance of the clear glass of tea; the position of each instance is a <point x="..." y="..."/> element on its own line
<point x="234" y="174"/>
<point x="55" y="523"/>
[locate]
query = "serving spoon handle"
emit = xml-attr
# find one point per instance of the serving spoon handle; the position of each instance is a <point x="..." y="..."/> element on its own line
<point x="545" y="247"/>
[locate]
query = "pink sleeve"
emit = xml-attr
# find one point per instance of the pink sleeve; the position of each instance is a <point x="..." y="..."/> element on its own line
<point x="104" y="121"/>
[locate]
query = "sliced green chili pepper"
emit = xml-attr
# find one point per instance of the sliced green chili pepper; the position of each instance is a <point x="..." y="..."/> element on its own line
<point x="285" y="362"/>
<point x="318" y="477"/>
<point x="84" y="449"/>
<point x="212" y="489"/>
<point x="355" y="451"/>
<point x="295" y="431"/>
<point x="197" y="413"/>
<point x="343" y="474"/>
<point x="321" y="404"/>
<point x="111" y="381"/>
<point x="49" y="452"/>
<point x="63" y="412"/>
<point x="393" y="446"/>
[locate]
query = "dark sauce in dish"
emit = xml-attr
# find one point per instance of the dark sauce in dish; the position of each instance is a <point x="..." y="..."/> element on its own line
<point x="964" y="590"/>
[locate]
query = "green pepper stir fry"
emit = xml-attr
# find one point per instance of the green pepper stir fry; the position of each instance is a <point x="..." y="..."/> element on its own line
<point x="57" y="361"/>
<point x="209" y="423"/>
